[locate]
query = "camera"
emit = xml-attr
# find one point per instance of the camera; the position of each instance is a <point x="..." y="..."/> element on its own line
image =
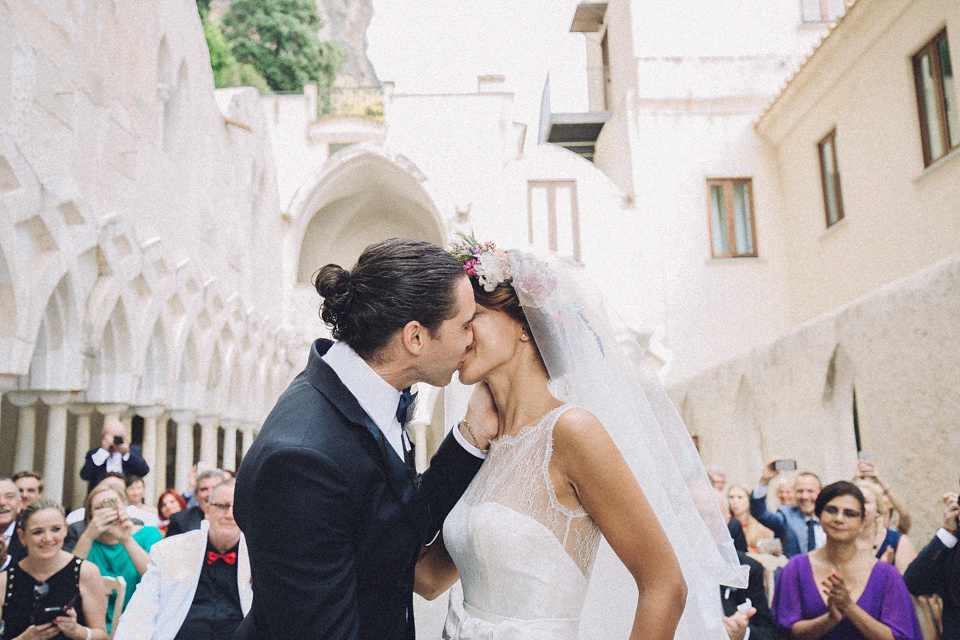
<point x="117" y="439"/>
<point x="785" y="465"/>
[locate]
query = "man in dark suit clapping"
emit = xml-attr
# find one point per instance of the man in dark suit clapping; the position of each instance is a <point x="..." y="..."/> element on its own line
<point x="936" y="570"/>
<point x="328" y="498"/>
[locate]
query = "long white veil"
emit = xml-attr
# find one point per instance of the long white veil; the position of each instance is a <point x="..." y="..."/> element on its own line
<point x="588" y="368"/>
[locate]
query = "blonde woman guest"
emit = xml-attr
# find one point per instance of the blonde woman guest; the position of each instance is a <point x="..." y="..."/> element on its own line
<point x="113" y="542"/>
<point x="884" y="542"/>
<point x="738" y="498"/>
<point x="50" y="577"/>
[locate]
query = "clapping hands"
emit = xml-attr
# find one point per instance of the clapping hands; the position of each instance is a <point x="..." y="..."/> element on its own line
<point x="838" y="596"/>
<point x="737" y="624"/>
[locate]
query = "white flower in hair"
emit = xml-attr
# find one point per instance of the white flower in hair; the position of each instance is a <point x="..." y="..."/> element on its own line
<point x="493" y="269"/>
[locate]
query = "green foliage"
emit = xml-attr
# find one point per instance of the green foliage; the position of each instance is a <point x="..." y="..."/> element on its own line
<point x="279" y="39"/>
<point x="227" y="72"/>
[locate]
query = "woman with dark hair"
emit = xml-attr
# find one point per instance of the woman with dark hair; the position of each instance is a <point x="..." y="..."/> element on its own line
<point x="840" y="591"/>
<point x="581" y="501"/>
<point x="169" y="503"/>
<point x="50" y="593"/>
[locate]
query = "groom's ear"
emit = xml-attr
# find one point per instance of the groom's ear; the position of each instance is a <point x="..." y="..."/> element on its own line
<point x="412" y="336"/>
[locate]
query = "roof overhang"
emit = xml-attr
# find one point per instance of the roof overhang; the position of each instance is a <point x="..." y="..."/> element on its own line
<point x="588" y="17"/>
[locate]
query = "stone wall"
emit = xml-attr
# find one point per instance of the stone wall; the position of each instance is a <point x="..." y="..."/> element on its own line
<point x="898" y="348"/>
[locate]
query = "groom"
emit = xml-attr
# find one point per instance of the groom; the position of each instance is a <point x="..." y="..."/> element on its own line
<point x="329" y="502"/>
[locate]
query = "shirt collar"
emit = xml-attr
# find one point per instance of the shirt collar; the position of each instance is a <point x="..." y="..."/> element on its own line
<point x="8" y="533"/>
<point x="377" y="396"/>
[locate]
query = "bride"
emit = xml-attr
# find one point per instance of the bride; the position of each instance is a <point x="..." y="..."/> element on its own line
<point x="587" y="458"/>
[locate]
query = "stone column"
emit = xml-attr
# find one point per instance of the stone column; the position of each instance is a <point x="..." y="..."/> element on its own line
<point x="246" y="437"/>
<point x="184" y="461"/>
<point x="82" y="411"/>
<point x="26" y="428"/>
<point x="230" y="444"/>
<point x="208" y="439"/>
<point x="160" y="461"/>
<point x="150" y="415"/>
<point x="420" y="440"/>
<point x="55" y="453"/>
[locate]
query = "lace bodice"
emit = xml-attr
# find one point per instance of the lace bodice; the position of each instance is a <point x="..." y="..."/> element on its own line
<point x="520" y="553"/>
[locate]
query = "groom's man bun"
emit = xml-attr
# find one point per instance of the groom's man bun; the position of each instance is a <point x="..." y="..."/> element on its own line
<point x="394" y="282"/>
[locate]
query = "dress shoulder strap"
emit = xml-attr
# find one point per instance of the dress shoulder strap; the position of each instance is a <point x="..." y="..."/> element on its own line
<point x="77" y="562"/>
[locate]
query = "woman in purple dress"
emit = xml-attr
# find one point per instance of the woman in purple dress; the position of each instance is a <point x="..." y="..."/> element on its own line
<point x="840" y="592"/>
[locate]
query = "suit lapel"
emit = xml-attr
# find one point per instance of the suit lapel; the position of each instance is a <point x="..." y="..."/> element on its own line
<point x="401" y="478"/>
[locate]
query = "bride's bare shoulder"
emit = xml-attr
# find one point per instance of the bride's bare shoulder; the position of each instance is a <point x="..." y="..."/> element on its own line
<point x="577" y="428"/>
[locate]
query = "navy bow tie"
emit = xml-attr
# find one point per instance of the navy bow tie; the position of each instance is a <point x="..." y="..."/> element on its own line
<point x="406" y="399"/>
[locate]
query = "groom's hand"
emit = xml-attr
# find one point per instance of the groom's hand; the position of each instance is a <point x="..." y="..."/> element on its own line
<point x="482" y="417"/>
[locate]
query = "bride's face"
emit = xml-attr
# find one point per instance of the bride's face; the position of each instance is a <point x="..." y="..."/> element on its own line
<point x="496" y="338"/>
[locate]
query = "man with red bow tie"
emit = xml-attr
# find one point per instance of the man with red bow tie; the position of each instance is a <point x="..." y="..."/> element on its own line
<point x="197" y="585"/>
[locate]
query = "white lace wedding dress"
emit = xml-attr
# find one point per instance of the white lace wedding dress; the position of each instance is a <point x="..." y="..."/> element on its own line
<point x="524" y="559"/>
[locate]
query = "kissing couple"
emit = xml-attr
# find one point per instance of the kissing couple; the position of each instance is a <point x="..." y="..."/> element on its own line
<point x="569" y="501"/>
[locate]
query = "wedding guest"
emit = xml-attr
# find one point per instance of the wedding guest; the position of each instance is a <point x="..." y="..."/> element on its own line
<point x="739" y="500"/>
<point x="898" y="513"/>
<point x="75" y="519"/>
<point x="169" y="503"/>
<point x="936" y="570"/>
<point x="30" y="484"/>
<point x="862" y="598"/>
<point x="134" y="490"/>
<point x="785" y="493"/>
<point x="718" y="478"/>
<point x="11" y="549"/>
<point x="114" y="543"/>
<point x="746" y="613"/>
<point x="197" y="584"/>
<point x="50" y="577"/>
<point x="733" y="525"/>
<point x="190" y="519"/>
<point x="885" y="543"/>
<point x="798" y="527"/>
<point x="113" y="454"/>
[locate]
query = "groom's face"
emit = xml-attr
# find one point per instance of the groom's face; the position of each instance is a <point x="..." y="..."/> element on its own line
<point x="444" y="352"/>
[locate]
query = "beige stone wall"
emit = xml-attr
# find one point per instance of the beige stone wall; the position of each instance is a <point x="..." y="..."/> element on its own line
<point x="898" y="347"/>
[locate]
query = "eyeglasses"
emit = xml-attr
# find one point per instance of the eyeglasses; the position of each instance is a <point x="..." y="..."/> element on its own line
<point x="222" y="505"/>
<point x="847" y="513"/>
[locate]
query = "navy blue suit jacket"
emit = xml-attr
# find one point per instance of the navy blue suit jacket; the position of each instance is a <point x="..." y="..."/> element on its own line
<point x="936" y="570"/>
<point x="334" y="520"/>
<point x="94" y="473"/>
<point x="787" y="523"/>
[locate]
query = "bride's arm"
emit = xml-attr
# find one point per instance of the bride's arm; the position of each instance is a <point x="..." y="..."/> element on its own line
<point x="435" y="571"/>
<point x="586" y="457"/>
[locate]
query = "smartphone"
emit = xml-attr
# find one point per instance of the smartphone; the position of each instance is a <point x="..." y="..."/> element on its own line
<point x="44" y="615"/>
<point x="864" y="455"/>
<point x="117" y="439"/>
<point x="785" y="465"/>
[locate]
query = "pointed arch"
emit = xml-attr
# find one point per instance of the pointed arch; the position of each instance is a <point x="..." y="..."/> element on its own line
<point x="57" y="354"/>
<point x="152" y="388"/>
<point x="187" y="391"/>
<point x="110" y="374"/>
<point x="750" y="449"/>
<point x="840" y="445"/>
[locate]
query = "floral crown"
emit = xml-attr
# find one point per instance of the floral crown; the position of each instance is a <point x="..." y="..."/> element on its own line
<point x="492" y="267"/>
<point x="489" y="265"/>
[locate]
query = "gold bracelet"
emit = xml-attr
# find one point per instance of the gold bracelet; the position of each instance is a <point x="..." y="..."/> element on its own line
<point x="473" y="436"/>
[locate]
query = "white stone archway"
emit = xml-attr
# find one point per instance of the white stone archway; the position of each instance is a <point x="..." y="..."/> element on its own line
<point x="364" y="194"/>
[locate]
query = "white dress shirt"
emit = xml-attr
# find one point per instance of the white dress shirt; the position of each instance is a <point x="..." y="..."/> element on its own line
<point x="376" y="396"/>
<point x="948" y="539"/>
<point x="114" y="460"/>
<point x="7" y="536"/>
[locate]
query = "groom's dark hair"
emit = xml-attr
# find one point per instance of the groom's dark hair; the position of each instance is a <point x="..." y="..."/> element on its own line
<point x="394" y="282"/>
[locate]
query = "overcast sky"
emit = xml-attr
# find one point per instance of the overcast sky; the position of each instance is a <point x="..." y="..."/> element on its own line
<point x="443" y="46"/>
